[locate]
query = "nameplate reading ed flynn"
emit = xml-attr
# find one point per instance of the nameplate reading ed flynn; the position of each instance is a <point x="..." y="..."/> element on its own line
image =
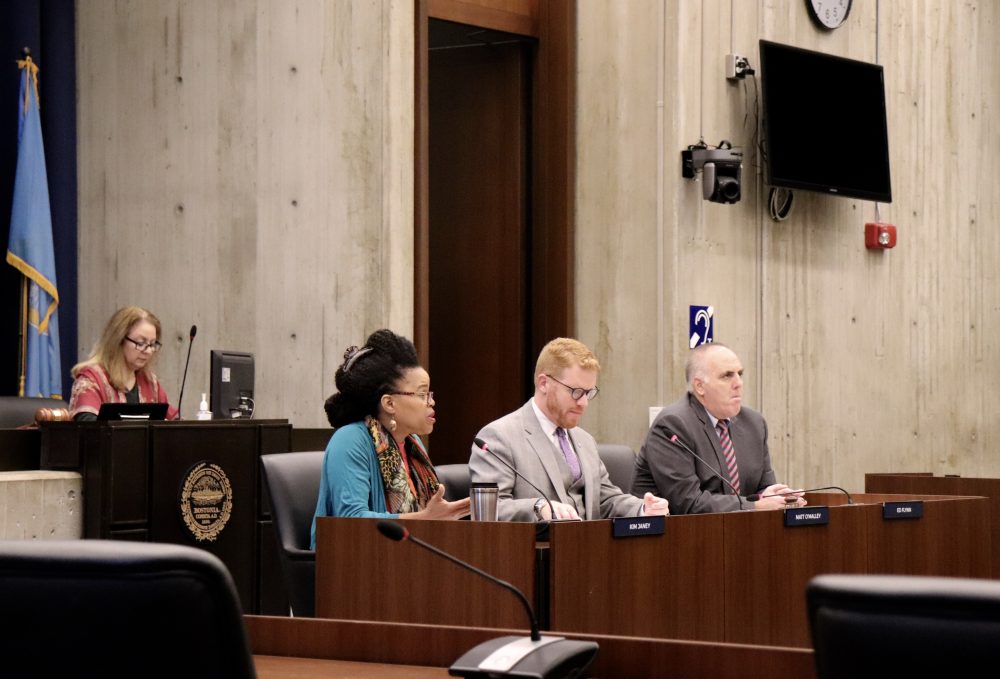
<point x="911" y="509"/>
<point x="634" y="526"/>
<point x="807" y="516"/>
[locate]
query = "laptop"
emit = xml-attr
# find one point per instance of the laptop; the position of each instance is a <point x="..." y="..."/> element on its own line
<point x="132" y="411"/>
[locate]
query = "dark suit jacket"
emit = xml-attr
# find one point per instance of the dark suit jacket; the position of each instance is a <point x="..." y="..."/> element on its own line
<point x="518" y="439"/>
<point x="664" y="468"/>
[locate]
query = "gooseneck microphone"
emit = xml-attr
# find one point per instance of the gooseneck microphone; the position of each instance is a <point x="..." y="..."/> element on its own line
<point x="483" y="446"/>
<point x="394" y="531"/>
<point x="180" y="397"/>
<point x="680" y="444"/>
<point x="758" y="496"/>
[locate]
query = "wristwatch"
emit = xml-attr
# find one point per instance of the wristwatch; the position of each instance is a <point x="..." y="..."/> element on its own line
<point x="539" y="503"/>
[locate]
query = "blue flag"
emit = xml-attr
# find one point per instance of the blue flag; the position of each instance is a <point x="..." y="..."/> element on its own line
<point x="30" y="249"/>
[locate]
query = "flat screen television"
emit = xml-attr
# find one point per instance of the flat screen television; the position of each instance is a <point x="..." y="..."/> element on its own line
<point x="824" y="123"/>
<point x="232" y="375"/>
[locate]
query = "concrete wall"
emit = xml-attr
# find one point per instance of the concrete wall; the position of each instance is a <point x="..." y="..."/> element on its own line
<point x="862" y="361"/>
<point x="247" y="166"/>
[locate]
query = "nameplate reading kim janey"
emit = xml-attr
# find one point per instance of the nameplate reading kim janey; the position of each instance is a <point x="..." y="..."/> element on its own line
<point x="206" y="501"/>
<point x="910" y="509"/>
<point x="807" y="516"/>
<point x="634" y="526"/>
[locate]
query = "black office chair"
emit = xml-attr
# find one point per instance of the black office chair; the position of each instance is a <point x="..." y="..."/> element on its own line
<point x="903" y="626"/>
<point x="293" y="482"/>
<point x="620" y="463"/>
<point x="103" y="608"/>
<point x="16" y="411"/>
<point x="455" y="478"/>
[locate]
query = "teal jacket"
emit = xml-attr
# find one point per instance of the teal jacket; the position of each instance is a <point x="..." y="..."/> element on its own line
<point x="351" y="484"/>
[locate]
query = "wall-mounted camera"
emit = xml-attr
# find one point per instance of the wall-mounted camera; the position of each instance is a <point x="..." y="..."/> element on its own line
<point x="721" y="170"/>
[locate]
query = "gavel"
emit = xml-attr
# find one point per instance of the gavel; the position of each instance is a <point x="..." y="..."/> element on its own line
<point x="52" y="415"/>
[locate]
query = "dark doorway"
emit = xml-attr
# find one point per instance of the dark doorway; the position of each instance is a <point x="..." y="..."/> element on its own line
<point x="479" y="218"/>
<point x="493" y="203"/>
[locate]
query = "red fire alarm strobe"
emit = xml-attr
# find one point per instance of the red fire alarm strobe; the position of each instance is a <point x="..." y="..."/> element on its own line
<point x="880" y="236"/>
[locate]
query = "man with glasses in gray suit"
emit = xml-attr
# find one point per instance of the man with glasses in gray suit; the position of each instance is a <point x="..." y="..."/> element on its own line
<point x="543" y="442"/>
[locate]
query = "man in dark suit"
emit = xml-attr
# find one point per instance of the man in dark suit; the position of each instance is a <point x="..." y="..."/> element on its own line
<point x="543" y="442"/>
<point x="730" y="438"/>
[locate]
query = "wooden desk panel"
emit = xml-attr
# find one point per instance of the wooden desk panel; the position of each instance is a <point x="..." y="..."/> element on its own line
<point x="927" y="484"/>
<point x="361" y="575"/>
<point x="665" y="586"/>
<point x="738" y="578"/>
<point x="951" y="539"/>
<point x="174" y="449"/>
<point x="20" y="450"/>
<point x="765" y="594"/>
<point x="767" y="568"/>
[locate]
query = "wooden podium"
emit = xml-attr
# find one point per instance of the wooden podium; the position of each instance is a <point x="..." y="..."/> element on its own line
<point x="731" y="578"/>
<point x="193" y="483"/>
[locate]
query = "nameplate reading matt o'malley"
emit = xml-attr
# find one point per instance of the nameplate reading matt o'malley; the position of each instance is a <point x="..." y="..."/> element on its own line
<point x="911" y="509"/>
<point x="634" y="526"/>
<point x="807" y="516"/>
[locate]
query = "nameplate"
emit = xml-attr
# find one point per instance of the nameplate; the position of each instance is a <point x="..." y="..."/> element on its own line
<point x="912" y="509"/>
<point x="807" y="516"/>
<point x="634" y="526"/>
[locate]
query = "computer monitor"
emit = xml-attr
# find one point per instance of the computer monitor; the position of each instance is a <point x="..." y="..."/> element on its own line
<point x="231" y="385"/>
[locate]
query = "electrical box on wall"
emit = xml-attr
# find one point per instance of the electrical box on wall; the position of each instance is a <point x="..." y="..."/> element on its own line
<point x="880" y="236"/>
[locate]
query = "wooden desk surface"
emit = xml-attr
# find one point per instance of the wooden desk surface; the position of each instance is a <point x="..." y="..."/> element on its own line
<point x="315" y="646"/>
<point x="277" y="667"/>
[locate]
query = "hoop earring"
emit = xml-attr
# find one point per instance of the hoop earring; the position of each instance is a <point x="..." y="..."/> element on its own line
<point x="392" y="424"/>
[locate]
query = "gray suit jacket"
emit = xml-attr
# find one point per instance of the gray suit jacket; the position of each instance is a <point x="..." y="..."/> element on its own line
<point x="664" y="468"/>
<point x="519" y="440"/>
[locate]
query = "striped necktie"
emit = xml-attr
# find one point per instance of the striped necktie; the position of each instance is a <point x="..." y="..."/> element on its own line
<point x="727" y="448"/>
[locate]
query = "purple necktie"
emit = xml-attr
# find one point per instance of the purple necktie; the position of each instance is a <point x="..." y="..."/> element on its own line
<point x="727" y="449"/>
<point x="567" y="450"/>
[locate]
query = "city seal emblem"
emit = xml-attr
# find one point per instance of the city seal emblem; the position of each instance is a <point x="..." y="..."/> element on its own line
<point x="206" y="501"/>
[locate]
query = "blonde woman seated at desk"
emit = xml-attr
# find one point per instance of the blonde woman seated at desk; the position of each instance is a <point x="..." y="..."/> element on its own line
<point x="119" y="368"/>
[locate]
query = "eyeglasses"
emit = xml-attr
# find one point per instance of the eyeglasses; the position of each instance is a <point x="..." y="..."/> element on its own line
<point x="153" y="346"/>
<point x="576" y="393"/>
<point x="427" y="396"/>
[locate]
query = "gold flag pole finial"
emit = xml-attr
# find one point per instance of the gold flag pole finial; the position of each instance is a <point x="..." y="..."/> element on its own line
<point x="32" y="67"/>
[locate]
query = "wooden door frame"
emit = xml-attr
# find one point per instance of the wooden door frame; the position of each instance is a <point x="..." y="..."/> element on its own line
<point x="553" y="162"/>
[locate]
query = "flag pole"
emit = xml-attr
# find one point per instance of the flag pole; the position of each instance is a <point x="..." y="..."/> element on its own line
<point x="22" y="345"/>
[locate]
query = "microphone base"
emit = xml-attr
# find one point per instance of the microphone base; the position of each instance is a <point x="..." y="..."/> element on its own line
<point x="514" y="656"/>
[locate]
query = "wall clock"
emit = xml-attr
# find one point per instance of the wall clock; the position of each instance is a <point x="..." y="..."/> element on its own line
<point x="829" y="14"/>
